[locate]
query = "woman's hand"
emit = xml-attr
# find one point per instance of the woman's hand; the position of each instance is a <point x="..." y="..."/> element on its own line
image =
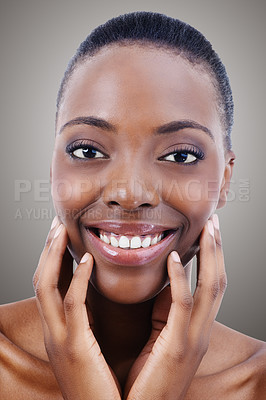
<point x="181" y="325"/>
<point x="75" y="356"/>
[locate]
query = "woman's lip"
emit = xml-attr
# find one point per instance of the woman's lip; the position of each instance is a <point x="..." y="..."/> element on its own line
<point x="116" y="255"/>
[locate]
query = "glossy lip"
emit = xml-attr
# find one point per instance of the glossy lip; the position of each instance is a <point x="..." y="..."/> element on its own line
<point x="132" y="257"/>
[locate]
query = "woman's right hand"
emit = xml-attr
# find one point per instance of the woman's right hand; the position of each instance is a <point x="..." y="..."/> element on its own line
<point x="181" y="324"/>
<point x="75" y="356"/>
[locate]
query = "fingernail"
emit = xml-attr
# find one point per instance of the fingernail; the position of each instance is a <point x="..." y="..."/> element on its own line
<point x="211" y="227"/>
<point x="54" y="222"/>
<point x="84" y="258"/>
<point x="215" y="220"/>
<point x="175" y="256"/>
<point x="57" y="232"/>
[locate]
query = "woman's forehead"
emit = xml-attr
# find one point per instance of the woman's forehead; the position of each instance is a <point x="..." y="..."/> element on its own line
<point x="121" y="81"/>
<point x="135" y="64"/>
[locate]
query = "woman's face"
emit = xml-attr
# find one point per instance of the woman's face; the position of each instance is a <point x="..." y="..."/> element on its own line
<point x="138" y="153"/>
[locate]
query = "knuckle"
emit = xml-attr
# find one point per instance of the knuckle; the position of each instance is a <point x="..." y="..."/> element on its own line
<point x="186" y="302"/>
<point x="69" y="303"/>
<point x="55" y="349"/>
<point x="214" y="289"/>
<point x="199" y="347"/>
<point x="35" y="280"/>
<point x="71" y="352"/>
<point x="39" y="292"/>
<point x="218" y="241"/>
<point x="74" y="349"/>
<point x="223" y="283"/>
<point x="43" y="290"/>
<point x="48" y="241"/>
<point x="180" y="354"/>
<point x="200" y="351"/>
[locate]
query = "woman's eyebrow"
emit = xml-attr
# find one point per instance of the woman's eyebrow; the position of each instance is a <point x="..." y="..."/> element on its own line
<point x="170" y="127"/>
<point x="176" y="126"/>
<point x="92" y="121"/>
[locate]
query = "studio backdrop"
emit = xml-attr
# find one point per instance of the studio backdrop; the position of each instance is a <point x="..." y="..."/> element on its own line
<point x="37" y="39"/>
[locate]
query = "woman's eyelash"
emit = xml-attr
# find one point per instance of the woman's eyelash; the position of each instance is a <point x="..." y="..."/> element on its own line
<point x="84" y="149"/>
<point x="184" y="155"/>
<point x="187" y="155"/>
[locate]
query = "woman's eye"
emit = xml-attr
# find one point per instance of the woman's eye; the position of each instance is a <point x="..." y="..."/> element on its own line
<point x="87" y="152"/>
<point x="183" y="157"/>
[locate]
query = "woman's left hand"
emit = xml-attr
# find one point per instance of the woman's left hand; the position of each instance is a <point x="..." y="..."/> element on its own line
<point x="74" y="354"/>
<point x="181" y="325"/>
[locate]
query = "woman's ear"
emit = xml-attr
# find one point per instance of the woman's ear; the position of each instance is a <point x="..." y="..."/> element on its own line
<point x="228" y="171"/>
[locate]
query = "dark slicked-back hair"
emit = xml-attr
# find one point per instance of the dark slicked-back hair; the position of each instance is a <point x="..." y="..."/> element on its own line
<point x="163" y="32"/>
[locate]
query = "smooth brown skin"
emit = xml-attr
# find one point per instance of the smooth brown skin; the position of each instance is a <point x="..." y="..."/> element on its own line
<point x="193" y="357"/>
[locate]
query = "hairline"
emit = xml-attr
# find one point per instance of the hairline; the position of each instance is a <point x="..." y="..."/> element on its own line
<point x="199" y="64"/>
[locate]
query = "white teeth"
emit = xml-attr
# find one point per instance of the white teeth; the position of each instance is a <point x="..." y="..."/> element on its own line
<point x="106" y="239"/>
<point x="123" y="242"/>
<point x="154" y="240"/>
<point x="114" y="242"/>
<point x="135" y="242"/>
<point x="146" y="242"/>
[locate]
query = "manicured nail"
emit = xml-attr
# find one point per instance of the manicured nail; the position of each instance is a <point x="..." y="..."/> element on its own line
<point x="84" y="258"/>
<point x="58" y="231"/>
<point x="175" y="256"/>
<point x="215" y="220"/>
<point x="54" y="222"/>
<point x="211" y="227"/>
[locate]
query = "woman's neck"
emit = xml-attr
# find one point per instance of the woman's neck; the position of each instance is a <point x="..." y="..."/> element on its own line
<point x="121" y="329"/>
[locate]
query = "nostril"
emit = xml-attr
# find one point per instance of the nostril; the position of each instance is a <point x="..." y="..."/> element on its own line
<point x="145" y="205"/>
<point x="113" y="203"/>
<point x="132" y="206"/>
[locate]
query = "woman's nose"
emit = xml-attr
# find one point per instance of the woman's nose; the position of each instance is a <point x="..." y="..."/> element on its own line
<point x="130" y="191"/>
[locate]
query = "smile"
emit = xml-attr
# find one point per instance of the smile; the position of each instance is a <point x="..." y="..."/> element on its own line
<point x="131" y="247"/>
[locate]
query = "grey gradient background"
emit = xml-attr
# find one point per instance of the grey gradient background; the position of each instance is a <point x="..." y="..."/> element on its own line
<point x="37" y="39"/>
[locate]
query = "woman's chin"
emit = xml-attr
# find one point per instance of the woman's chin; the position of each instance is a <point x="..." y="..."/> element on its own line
<point x="122" y="295"/>
<point x="131" y="284"/>
<point x="128" y="286"/>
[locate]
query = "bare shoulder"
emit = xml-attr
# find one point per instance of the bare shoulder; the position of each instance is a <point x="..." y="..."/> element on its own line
<point x="234" y="365"/>
<point x="21" y="325"/>
<point x="17" y="311"/>
<point x="24" y="366"/>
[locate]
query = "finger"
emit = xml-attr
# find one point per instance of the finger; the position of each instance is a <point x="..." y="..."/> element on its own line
<point x="47" y="290"/>
<point x="182" y="300"/>
<point x="66" y="273"/>
<point x="222" y="278"/>
<point x="44" y="324"/>
<point x="36" y="276"/>
<point x="75" y="300"/>
<point x="207" y="287"/>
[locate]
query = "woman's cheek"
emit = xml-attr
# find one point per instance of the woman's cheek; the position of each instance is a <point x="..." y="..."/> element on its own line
<point x="73" y="194"/>
<point x="195" y="199"/>
<point x="192" y="196"/>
